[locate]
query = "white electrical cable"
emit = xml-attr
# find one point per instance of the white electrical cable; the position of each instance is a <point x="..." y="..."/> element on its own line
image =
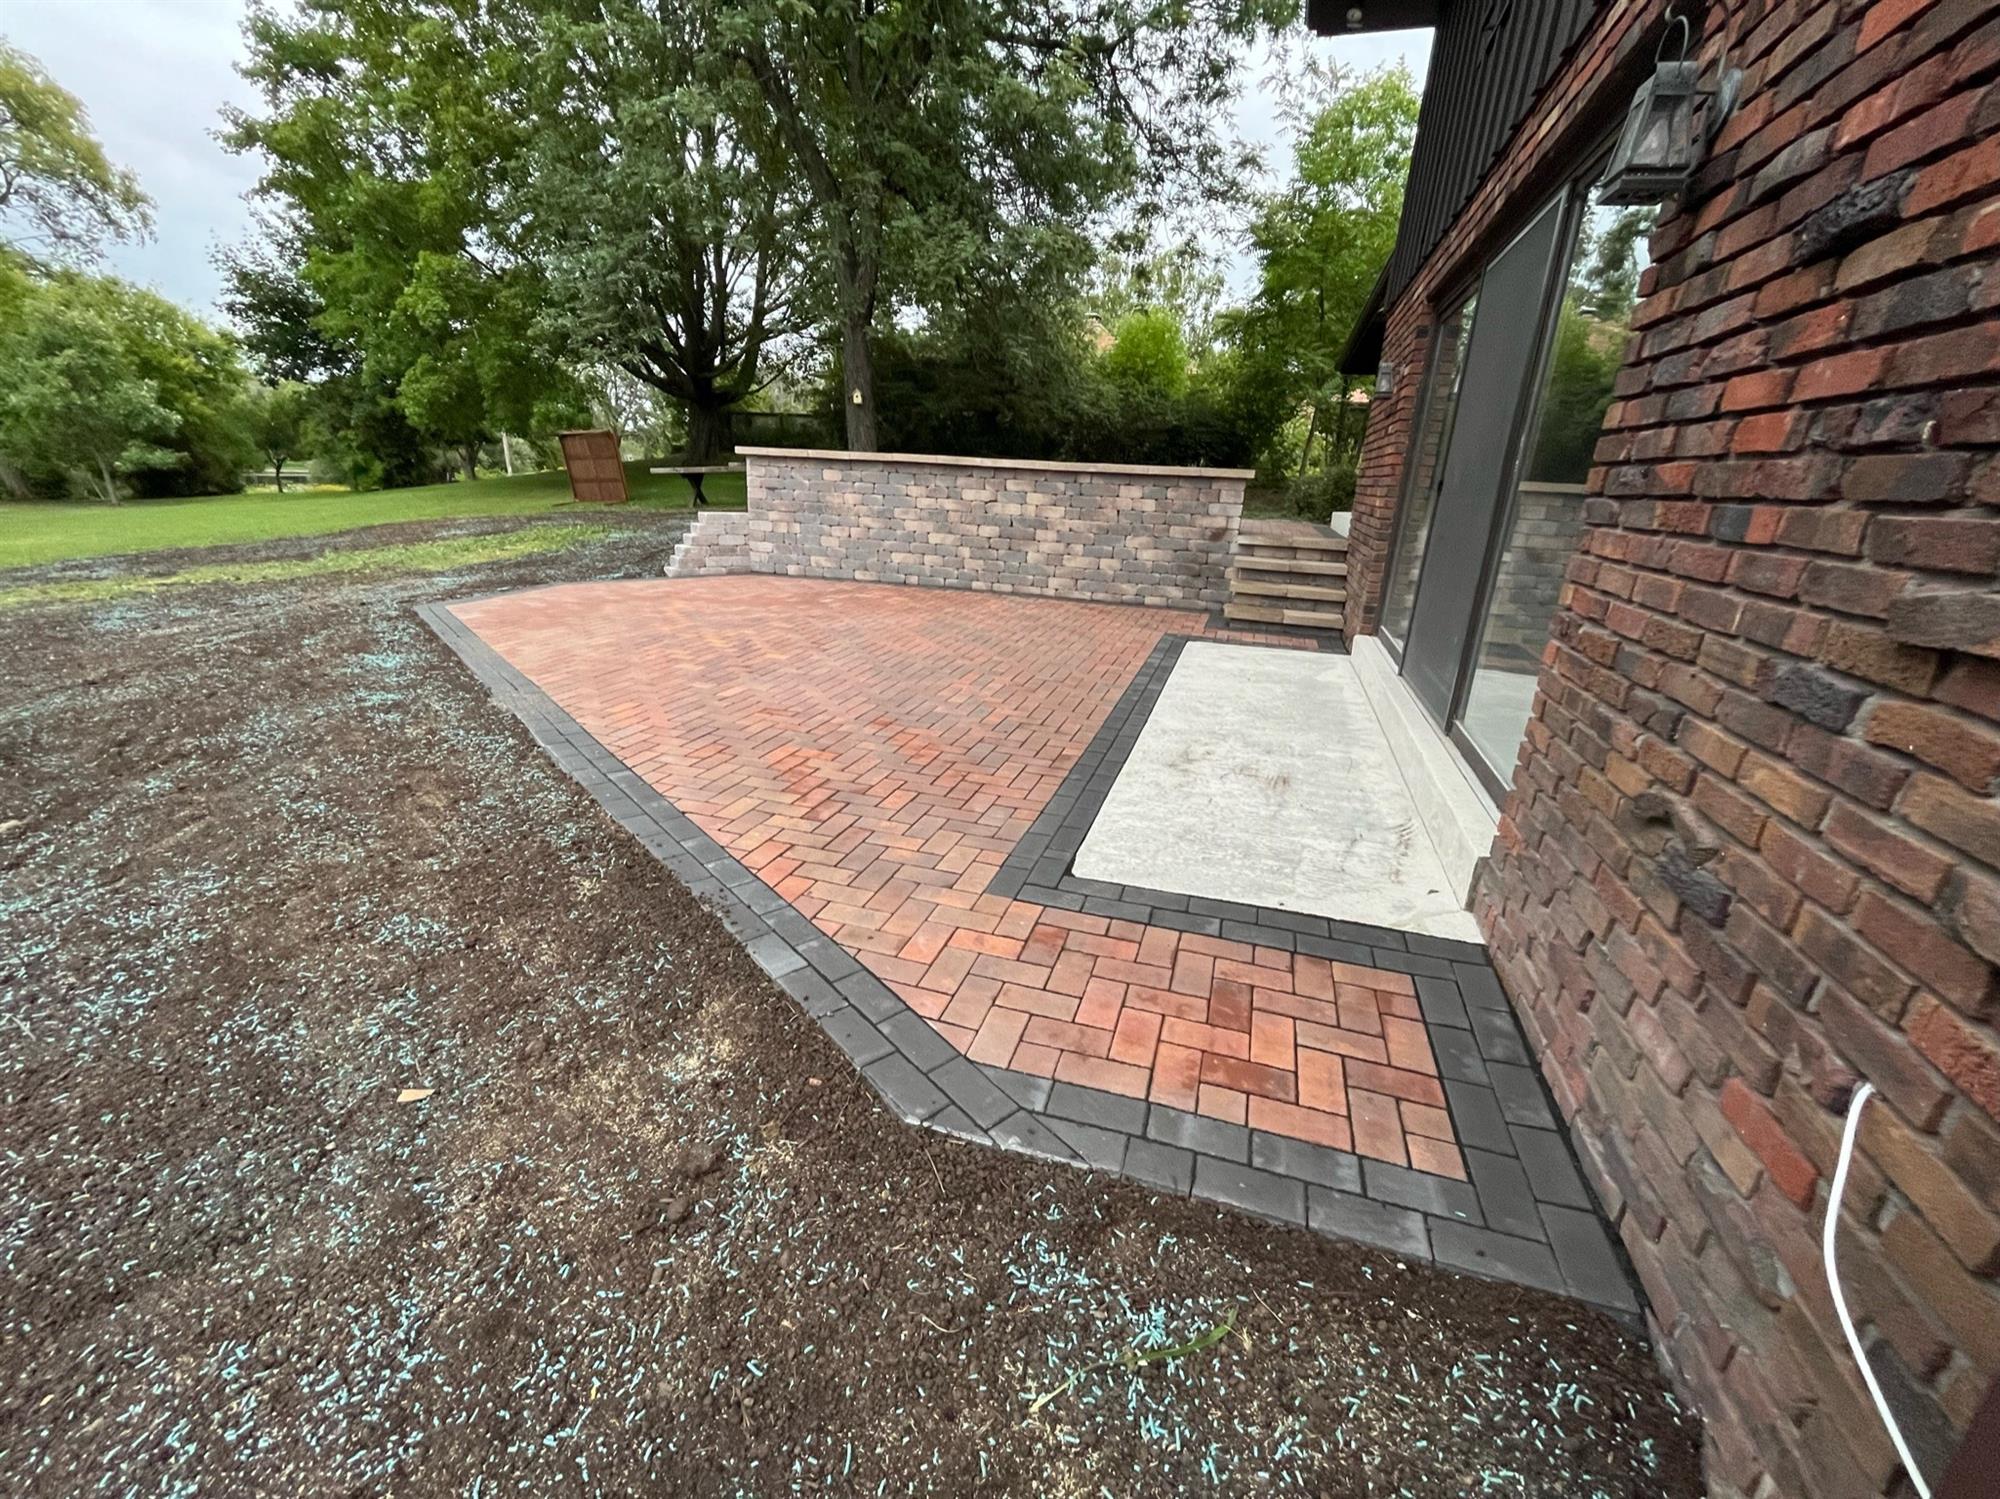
<point x="1838" y="1191"/>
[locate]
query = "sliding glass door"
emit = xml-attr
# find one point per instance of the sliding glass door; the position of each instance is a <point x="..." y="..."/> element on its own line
<point x="1544" y="511"/>
<point x="1492" y="506"/>
<point x="1491" y="401"/>
<point x="1434" y="419"/>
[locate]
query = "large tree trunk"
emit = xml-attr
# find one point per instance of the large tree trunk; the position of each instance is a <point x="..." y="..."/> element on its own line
<point x="857" y="363"/>
<point x="468" y="461"/>
<point x="278" y="469"/>
<point x="708" y="424"/>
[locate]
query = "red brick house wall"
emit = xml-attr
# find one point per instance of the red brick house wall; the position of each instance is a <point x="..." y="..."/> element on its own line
<point x="1752" y="851"/>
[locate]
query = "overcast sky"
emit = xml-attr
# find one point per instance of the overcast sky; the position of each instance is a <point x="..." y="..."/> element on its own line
<point x="155" y="74"/>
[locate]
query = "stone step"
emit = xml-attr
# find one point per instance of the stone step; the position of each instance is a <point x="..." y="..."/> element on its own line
<point x="1302" y="541"/>
<point x="1271" y="551"/>
<point x="1304" y="619"/>
<point x="1289" y="565"/>
<point x="1266" y="588"/>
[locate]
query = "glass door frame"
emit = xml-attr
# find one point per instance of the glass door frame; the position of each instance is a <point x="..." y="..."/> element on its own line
<point x="1444" y="309"/>
<point x="1575" y="193"/>
<point x="1565" y="200"/>
<point x="1572" y="199"/>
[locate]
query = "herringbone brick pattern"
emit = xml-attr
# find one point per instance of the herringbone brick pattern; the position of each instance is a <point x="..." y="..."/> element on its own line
<point x="874" y="753"/>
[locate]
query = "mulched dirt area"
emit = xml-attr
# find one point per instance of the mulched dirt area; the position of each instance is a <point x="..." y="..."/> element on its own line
<point x="268" y="857"/>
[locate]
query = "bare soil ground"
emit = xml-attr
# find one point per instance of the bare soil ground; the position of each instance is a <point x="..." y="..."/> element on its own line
<point x="269" y="857"/>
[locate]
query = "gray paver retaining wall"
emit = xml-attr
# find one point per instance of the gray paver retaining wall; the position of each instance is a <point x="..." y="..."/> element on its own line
<point x="1088" y="531"/>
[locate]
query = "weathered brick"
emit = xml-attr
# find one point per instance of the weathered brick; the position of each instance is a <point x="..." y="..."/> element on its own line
<point x="1868" y="652"/>
<point x="1939" y="543"/>
<point x="1909" y="938"/>
<point x="1784" y="610"/>
<point x="1963" y="748"/>
<point x="1961" y="1220"/>
<point x="1972" y="1150"/>
<point x="1852" y="588"/>
<point x="1906" y="478"/>
<point x="1823" y="530"/>
<point x="1817" y="696"/>
<point x="1852" y="963"/>
<point x="1969" y="417"/>
<point x="1767" y="956"/>
<point x="1887" y="851"/>
<point x="1867" y="774"/>
<point x="1966" y="1055"/>
<point x="1972" y="685"/>
<point x="1958" y="1302"/>
<point x="1780" y="787"/>
<point x="1886" y="1057"/>
<point x="1950" y="619"/>
<point x="1801" y="863"/>
<point x="1951" y="813"/>
<point x="1791" y="1173"/>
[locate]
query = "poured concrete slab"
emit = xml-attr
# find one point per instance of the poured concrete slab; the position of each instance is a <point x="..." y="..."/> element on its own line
<point x="1262" y="776"/>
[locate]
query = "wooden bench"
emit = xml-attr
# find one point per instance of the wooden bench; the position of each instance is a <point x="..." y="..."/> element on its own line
<point x="695" y="472"/>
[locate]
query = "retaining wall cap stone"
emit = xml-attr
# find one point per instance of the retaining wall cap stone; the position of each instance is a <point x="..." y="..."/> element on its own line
<point x="1041" y="465"/>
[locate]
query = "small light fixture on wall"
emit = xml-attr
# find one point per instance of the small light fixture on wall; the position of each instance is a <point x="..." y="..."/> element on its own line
<point x="1663" y="142"/>
<point x="1385" y="378"/>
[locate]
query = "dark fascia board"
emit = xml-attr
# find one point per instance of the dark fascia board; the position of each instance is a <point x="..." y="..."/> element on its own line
<point x="1332" y="17"/>
<point x="1363" y="354"/>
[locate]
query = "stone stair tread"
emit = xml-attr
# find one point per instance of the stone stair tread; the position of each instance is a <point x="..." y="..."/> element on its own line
<point x="1288" y="565"/>
<point x="1322" y="619"/>
<point x="1262" y="589"/>
<point x="1299" y="543"/>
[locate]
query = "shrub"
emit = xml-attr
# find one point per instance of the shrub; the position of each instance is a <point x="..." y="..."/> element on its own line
<point x="1324" y="493"/>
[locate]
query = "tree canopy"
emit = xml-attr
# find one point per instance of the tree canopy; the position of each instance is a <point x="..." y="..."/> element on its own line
<point x="383" y="127"/>
<point x="938" y="141"/>
<point x="1321" y="241"/>
<point x="73" y="409"/>
<point x="61" y="198"/>
<point x="472" y="183"/>
<point x="105" y="388"/>
<point x="655" y="200"/>
<point x="944" y="226"/>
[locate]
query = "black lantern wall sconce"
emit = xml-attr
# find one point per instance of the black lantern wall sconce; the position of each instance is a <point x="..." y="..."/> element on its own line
<point x="1669" y="126"/>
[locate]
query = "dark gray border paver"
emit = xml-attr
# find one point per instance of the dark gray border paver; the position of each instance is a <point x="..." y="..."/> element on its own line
<point x="1398" y="1230"/>
<point x="1165" y="1167"/>
<point x="1317" y="1165"/>
<point x="1264" y="1193"/>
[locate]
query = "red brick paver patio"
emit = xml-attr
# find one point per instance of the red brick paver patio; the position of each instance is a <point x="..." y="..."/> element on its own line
<point x="874" y="753"/>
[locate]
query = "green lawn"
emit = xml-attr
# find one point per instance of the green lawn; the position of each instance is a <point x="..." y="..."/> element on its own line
<point x="31" y="534"/>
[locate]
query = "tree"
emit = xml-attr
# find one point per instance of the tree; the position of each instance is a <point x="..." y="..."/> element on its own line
<point x="199" y="375"/>
<point x="659" y="208"/>
<point x="1148" y="355"/>
<point x="275" y="313"/>
<point x="383" y="129"/>
<point x="1615" y="261"/>
<point x="55" y="180"/>
<point x="925" y="135"/>
<point x="353" y="422"/>
<point x="489" y="194"/>
<point x="1321" y="239"/>
<point x="73" y="406"/>
<point x="1184" y="280"/>
<point x="131" y="340"/>
<point x="277" y="423"/>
